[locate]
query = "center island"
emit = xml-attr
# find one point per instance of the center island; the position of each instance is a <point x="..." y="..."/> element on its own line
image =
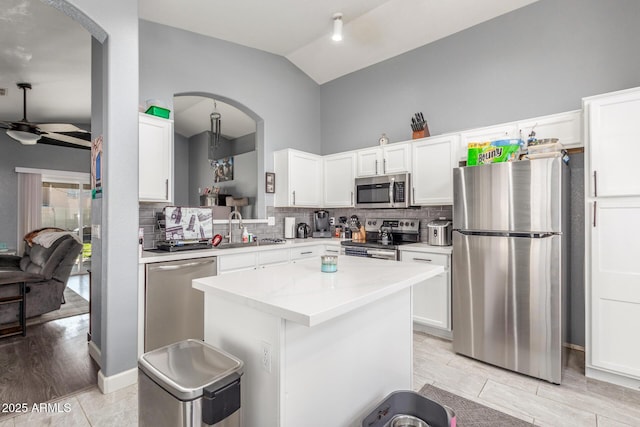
<point x="320" y="349"/>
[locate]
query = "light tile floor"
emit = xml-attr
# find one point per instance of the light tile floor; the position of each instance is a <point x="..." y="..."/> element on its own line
<point x="577" y="402"/>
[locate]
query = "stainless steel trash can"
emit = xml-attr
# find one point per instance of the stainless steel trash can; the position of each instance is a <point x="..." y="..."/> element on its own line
<point x="189" y="383"/>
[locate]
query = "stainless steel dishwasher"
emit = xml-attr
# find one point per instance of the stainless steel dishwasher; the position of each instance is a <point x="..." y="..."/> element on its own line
<point x="174" y="311"/>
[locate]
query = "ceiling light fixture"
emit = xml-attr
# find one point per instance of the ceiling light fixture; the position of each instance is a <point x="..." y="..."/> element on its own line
<point x="337" y="27"/>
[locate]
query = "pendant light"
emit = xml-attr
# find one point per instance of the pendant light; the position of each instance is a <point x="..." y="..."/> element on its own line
<point x="337" y="27"/>
<point x="216" y="126"/>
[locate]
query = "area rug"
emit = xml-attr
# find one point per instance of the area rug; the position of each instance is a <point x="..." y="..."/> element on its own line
<point x="469" y="413"/>
<point x="74" y="305"/>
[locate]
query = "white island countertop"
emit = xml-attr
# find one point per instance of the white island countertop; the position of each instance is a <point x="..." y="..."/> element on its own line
<point x="301" y="293"/>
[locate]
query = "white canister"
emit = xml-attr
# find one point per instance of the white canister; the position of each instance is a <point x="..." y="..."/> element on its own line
<point x="289" y="227"/>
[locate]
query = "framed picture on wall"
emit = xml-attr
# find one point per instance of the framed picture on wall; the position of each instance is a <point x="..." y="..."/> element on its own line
<point x="270" y="182"/>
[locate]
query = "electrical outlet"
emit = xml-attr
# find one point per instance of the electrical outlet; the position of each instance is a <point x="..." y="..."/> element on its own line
<point x="265" y="356"/>
<point x="271" y="220"/>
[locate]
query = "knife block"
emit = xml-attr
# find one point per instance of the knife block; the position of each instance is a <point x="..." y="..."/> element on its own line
<point x="424" y="133"/>
<point x="359" y="236"/>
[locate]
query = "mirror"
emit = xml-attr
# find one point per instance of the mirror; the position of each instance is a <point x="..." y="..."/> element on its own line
<point x="217" y="155"/>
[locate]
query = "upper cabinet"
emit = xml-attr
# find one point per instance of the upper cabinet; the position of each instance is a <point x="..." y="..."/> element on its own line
<point x="432" y="176"/>
<point x="489" y="133"/>
<point x="155" y="173"/>
<point x="567" y="127"/>
<point x="298" y="179"/>
<point x="384" y="160"/>
<point x="612" y="126"/>
<point x="339" y="172"/>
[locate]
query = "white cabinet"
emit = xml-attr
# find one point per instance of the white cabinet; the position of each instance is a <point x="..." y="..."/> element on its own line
<point x="273" y="257"/>
<point x="306" y="252"/>
<point x="612" y="228"/>
<point x="339" y="174"/>
<point x="567" y="127"/>
<point x="236" y="262"/>
<point x="614" y="147"/>
<point x="432" y="177"/>
<point x="490" y="133"/>
<point x="432" y="298"/>
<point x="299" y="179"/>
<point x="384" y="160"/>
<point x="155" y="173"/>
<point x="615" y="286"/>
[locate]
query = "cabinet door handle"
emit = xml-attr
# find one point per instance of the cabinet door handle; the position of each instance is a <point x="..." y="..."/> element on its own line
<point x="595" y="203"/>
<point x="333" y="251"/>
<point x="294" y="197"/>
<point x="413" y="195"/>
<point x="352" y="198"/>
<point x="376" y="166"/>
<point x="166" y="188"/>
<point x="306" y="253"/>
<point x="595" y="184"/>
<point x="384" y="166"/>
<point x="423" y="259"/>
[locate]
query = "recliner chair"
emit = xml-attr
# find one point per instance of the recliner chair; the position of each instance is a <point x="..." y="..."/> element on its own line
<point x="45" y="271"/>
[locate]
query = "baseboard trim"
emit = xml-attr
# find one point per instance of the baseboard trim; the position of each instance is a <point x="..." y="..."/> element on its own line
<point x="574" y="346"/>
<point x="118" y="381"/>
<point x="610" y="377"/>
<point x="430" y="330"/>
<point x="95" y="353"/>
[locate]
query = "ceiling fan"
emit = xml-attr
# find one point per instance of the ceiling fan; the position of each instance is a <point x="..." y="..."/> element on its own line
<point x="61" y="134"/>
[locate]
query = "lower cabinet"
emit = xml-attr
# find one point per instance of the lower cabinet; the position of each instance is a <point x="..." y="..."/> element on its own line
<point x="229" y="263"/>
<point x="432" y="298"/>
<point x="306" y="252"/>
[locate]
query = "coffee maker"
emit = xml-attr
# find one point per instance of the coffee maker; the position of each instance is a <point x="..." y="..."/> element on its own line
<point x="321" y="226"/>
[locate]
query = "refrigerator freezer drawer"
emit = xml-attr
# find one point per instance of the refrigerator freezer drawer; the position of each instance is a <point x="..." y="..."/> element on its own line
<point x="515" y="196"/>
<point x="507" y="299"/>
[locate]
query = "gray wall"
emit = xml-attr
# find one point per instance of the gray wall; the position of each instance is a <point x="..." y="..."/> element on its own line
<point x="115" y="115"/>
<point x="181" y="168"/>
<point x="174" y="61"/>
<point x="38" y="156"/>
<point x="245" y="176"/>
<point x="538" y="60"/>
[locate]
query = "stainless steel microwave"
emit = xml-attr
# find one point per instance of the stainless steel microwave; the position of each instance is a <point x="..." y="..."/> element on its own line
<point x="386" y="191"/>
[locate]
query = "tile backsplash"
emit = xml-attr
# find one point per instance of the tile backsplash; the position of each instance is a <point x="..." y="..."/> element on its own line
<point x="153" y="233"/>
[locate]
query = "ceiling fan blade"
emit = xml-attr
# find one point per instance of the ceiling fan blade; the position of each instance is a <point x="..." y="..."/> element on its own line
<point x="71" y="139"/>
<point x="59" y="128"/>
<point x="5" y="125"/>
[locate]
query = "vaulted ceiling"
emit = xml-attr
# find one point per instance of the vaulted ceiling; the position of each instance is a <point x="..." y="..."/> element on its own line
<point x="39" y="44"/>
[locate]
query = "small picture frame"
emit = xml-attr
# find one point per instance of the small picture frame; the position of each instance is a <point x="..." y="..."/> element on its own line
<point x="270" y="182"/>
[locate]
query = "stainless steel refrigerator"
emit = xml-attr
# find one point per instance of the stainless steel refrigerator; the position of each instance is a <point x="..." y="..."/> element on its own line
<point x="510" y="224"/>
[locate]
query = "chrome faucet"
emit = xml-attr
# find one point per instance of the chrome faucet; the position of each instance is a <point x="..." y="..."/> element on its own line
<point x="231" y="215"/>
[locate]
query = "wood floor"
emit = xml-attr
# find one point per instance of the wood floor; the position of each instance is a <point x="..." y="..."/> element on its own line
<point x="50" y="362"/>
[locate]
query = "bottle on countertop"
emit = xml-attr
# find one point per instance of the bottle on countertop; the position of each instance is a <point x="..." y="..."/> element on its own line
<point x="245" y="235"/>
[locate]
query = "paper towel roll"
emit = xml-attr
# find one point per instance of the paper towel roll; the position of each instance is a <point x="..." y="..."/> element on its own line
<point x="289" y="227"/>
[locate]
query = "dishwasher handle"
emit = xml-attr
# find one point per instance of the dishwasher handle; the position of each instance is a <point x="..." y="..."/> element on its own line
<point x="180" y="266"/>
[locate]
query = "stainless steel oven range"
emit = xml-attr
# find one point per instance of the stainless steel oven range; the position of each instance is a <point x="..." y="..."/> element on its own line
<point x="383" y="237"/>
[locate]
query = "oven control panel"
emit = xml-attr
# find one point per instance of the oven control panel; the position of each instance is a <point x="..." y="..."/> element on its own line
<point x="403" y="225"/>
